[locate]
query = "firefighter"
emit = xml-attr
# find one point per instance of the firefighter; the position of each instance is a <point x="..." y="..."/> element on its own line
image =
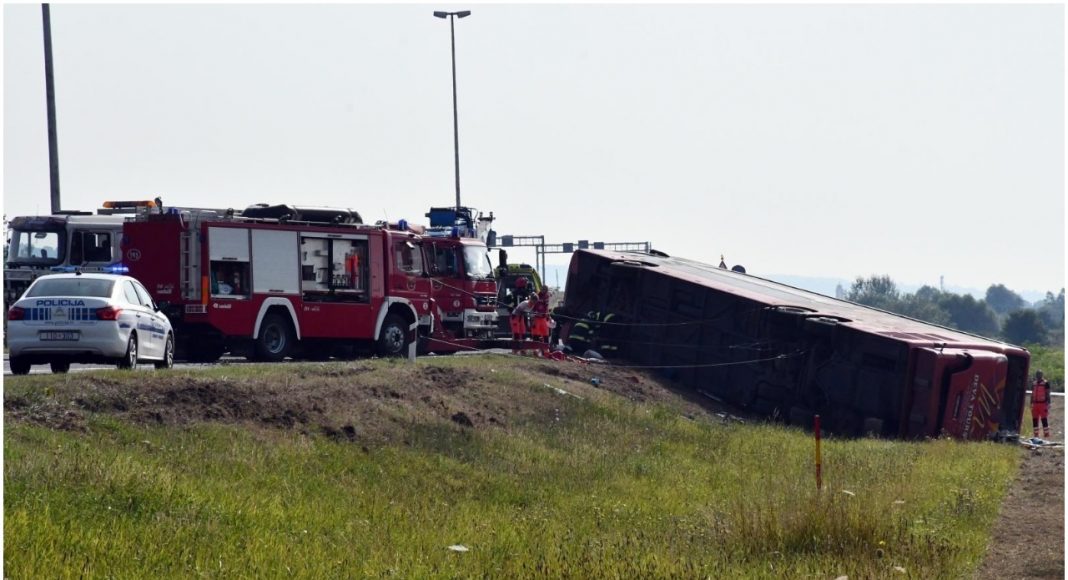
<point x="580" y="339"/>
<point x="516" y="294"/>
<point x="519" y="321"/>
<point x="1040" y="404"/>
<point x="521" y="291"/>
<point x="598" y="332"/>
<point x="539" y="330"/>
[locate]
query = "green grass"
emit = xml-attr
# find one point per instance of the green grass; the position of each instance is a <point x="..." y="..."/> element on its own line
<point x="603" y="488"/>
<point x="1049" y="360"/>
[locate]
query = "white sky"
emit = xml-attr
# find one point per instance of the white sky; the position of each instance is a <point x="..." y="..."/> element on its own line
<point x="834" y="140"/>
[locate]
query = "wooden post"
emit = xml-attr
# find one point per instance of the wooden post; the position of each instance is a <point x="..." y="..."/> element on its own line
<point x="819" y="474"/>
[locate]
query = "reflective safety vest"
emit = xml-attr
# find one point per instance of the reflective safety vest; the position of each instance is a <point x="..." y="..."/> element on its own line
<point x="1040" y="393"/>
<point x="582" y="331"/>
<point x="607" y="332"/>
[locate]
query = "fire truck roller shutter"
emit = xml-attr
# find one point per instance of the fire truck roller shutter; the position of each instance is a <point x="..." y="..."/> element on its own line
<point x="275" y="262"/>
<point x="276" y="302"/>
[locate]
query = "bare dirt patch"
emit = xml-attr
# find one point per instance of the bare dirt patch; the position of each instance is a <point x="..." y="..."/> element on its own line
<point x="366" y="402"/>
<point x="1028" y="538"/>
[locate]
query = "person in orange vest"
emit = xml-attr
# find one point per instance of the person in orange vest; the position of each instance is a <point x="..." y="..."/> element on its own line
<point x="1040" y="404"/>
<point x="540" y="328"/>
<point x="519" y="321"/>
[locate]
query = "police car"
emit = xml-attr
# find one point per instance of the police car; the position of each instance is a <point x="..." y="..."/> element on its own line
<point x="78" y="318"/>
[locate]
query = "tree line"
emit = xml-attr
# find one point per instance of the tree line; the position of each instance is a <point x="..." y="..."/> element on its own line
<point x="1002" y="314"/>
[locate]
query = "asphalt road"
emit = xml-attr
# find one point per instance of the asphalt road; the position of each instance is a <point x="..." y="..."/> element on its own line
<point x="144" y="366"/>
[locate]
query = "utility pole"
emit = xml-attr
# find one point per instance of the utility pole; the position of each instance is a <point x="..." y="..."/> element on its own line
<point x="455" y="122"/>
<point x="50" y="97"/>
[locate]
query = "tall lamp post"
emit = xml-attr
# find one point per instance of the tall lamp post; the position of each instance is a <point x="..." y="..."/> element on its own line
<point x="455" y="124"/>
<point x="50" y="103"/>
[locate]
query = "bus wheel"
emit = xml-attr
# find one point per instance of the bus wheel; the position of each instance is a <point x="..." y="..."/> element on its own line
<point x="275" y="340"/>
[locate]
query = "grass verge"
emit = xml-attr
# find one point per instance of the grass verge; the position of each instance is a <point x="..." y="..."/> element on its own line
<point x="598" y="486"/>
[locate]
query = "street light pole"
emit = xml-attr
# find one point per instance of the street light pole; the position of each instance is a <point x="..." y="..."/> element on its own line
<point x="50" y="105"/>
<point x="455" y="118"/>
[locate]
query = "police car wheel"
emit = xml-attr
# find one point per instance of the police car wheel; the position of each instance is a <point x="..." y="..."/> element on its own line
<point x="60" y="367"/>
<point x="168" y="354"/>
<point x="129" y="360"/>
<point x="20" y="367"/>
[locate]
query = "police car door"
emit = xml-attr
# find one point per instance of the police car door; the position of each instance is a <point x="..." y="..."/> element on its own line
<point x="142" y="322"/>
<point x="157" y="319"/>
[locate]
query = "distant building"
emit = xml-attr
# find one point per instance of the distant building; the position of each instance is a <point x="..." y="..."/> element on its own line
<point x="839" y="292"/>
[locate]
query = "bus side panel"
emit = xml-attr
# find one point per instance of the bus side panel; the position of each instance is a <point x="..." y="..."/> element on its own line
<point x="974" y="395"/>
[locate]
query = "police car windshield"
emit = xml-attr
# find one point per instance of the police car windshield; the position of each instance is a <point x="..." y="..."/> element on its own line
<point x="476" y="262"/>
<point x="85" y="287"/>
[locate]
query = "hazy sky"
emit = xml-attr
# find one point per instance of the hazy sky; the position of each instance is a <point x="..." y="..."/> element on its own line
<point x="834" y="140"/>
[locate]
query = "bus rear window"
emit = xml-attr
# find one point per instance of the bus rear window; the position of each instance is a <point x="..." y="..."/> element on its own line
<point x="84" y="287"/>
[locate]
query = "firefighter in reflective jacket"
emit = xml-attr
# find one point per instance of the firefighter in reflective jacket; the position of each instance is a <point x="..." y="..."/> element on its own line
<point x="593" y="332"/>
<point x="539" y="330"/>
<point x="1040" y="404"/>
<point x="519" y="320"/>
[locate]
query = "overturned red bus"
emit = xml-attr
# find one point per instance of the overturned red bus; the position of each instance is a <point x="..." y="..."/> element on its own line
<point x="790" y="354"/>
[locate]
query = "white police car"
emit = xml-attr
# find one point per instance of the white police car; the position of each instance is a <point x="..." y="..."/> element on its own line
<point x="78" y="318"/>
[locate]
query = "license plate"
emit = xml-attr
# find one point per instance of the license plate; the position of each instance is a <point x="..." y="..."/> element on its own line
<point x="58" y="335"/>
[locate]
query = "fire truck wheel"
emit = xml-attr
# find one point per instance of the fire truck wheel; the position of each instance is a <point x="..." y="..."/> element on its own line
<point x="275" y="339"/>
<point x="19" y="366"/>
<point x="129" y="361"/>
<point x="60" y="367"/>
<point x="394" y="337"/>
<point x="168" y="354"/>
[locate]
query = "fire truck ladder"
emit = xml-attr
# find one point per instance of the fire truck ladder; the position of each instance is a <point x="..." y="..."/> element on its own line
<point x="190" y="265"/>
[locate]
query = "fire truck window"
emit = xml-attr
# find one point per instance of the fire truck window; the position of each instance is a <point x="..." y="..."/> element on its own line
<point x="350" y="264"/>
<point x="408" y="258"/>
<point x="229" y="278"/>
<point x="442" y="261"/>
<point x="97" y="247"/>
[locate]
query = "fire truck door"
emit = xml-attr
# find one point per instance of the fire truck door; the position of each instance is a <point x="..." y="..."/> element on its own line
<point x="408" y="279"/>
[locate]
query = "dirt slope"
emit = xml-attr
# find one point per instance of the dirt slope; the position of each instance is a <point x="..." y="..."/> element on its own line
<point x="371" y="402"/>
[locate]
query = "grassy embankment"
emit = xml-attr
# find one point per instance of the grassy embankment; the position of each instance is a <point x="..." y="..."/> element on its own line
<point x="594" y="487"/>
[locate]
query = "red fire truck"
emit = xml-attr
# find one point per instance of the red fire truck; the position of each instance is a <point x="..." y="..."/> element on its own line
<point x="282" y="281"/>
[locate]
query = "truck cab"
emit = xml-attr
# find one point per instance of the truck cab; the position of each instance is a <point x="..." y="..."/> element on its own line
<point x="42" y="244"/>
<point x="462" y="284"/>
<point x="507" y="275"/>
